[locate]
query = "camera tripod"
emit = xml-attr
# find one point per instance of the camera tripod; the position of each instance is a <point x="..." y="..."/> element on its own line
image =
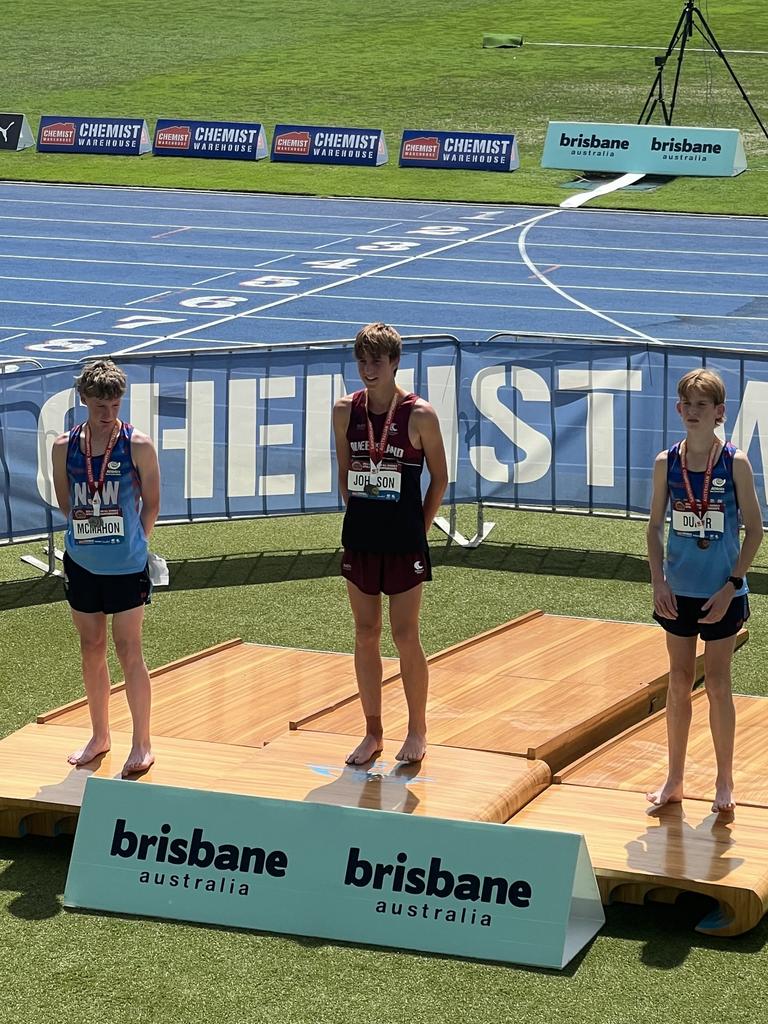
<point x="690" y="19"/>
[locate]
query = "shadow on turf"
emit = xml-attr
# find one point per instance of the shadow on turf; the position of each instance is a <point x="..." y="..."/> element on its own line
<point x="36" y="873"/>
<point x="245" y="569"/>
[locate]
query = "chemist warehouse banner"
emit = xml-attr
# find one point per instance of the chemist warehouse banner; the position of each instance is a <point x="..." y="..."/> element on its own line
<point x="531" y="422"/>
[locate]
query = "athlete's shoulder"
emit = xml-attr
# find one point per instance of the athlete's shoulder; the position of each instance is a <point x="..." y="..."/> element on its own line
<point x="140" y="439"/>
<point x="422" y="409"/>
<point x="62" y="440"/>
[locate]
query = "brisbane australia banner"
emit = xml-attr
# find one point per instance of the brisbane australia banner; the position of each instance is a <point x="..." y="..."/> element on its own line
<point x="465" y="888"/>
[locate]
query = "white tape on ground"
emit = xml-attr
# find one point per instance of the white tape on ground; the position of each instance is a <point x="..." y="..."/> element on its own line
<point x="610" y="186"/>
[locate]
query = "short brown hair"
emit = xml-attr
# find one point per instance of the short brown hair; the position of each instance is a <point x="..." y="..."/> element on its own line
<point x="378" y="340"/>
<point x="709" y="383"/>
<point x="101" y="379"/>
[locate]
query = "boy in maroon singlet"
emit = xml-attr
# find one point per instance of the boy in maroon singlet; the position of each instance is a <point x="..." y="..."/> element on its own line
<point x="383" y="437"/>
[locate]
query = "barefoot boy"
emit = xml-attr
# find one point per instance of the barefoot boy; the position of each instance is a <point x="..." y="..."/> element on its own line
<point x="107" y="484"/>
<point x="700" y="588"/>
<point x="383" y="437"/>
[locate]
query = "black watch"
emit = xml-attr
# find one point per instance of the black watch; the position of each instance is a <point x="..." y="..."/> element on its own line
<point x="737" y="581"/>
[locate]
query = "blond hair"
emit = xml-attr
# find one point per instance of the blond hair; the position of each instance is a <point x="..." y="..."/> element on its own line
<point x="101" y="379"/>
<point x="378" y="340"/>
<point x="707" y="382"/>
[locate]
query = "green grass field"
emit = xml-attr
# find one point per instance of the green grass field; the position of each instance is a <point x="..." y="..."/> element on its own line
<point x="275" y="582"/>
<point x="393" y="65"/>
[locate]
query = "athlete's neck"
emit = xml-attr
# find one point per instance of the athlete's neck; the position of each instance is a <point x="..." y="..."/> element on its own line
<point x="700" y="445"/>
<point x="379" y="400"/>
<point x="101" y="433"/>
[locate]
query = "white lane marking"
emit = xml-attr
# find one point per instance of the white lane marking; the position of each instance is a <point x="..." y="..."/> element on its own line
<point x="74" y="319"/>
<point x="346" y="280"/>
<point x="559" y="291"/>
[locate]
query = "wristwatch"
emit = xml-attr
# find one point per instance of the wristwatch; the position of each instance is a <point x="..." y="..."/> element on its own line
<point x="737" y="581"/>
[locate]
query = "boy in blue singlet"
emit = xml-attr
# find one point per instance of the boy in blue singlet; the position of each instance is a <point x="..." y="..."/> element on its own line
<point x="107" y="483"/>
<point x="700" y="588"/>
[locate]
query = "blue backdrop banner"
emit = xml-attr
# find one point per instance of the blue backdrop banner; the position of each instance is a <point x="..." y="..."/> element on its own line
<point x="542" y="423"/>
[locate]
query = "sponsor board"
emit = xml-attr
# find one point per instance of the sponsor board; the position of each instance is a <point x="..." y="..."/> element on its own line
<point x="572" y="425"/>
<point x="465" y="888"/>
<point x="110" y="136"/>
<point x="459" y="151"/>
<point x="15" y="132"/>
<point x="644" y="149"/>
<point x="212" y="140"/>
<point x="315" y="144"/>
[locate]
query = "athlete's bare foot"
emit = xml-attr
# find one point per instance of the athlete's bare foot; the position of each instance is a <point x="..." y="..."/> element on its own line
<point x="368" y="748"/>
<point x="95" y="746"/>
<point x="723" y="802"/>
<point x="670" y="793"/>
<point x="139" y="759"/>
<point x="414" y="748"/>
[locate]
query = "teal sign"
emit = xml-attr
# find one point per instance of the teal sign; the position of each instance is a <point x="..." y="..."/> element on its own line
<point x="465" y="888"/>
<point x="644" y="149"/>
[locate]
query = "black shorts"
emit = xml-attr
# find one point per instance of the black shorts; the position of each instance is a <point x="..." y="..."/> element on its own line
<point x="385" y="573"/>
<point x="93" y="592"/>
<point x="689" y="612"/>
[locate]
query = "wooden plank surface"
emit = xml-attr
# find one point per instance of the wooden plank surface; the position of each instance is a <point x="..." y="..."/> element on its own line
<point x="543" y="688"/>
<point x="682" y="847"/>
<point x="242" y="694"/>
<point x="458" y="784"/>
<point x="39" y="790"/>
<point x="637" y="759"/>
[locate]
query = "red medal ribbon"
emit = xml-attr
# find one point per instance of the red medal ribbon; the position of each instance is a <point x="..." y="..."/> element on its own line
<point x="95" y="487"/>
<point x="707" y="480"/>
<point x="376" y="451"/>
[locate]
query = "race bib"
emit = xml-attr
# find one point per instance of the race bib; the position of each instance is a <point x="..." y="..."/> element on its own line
<point x="379" y="484"/>
<point x="687" y="523"/>
<point x="107" y="528"/>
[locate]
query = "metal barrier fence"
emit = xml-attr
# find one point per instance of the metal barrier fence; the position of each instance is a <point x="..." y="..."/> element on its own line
<point x="530" y="422"/>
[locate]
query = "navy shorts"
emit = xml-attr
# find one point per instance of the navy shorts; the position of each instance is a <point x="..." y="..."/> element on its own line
<point x="689" y="612"/>
<point x="375" y="573"/>
<point x="96" y="592"/>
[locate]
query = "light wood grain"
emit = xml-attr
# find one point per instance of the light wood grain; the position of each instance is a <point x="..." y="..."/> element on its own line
<point x="235" y="693"/>
<point x="547" y="687"/>
<point x="40" y="792"/>
<point x="636" y="760"/>
<point x="681" y="848"/>
<point x="459" y="784"/>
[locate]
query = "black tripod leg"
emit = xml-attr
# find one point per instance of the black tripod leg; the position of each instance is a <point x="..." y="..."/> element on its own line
<point x="709" y="37"/>
<point x="656" y="94"/>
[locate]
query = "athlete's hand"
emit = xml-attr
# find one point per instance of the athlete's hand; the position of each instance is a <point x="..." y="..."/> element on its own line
<point x="664" y="601"/>
<point x="716" y="607"/>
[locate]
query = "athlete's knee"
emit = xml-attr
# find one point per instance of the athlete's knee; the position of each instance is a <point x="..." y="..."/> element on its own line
<point x="368" y="634"/>
<point x="718" y="686"/>
<point x="93" y="645"/>
<point x="406" y="635"/>
<point x="128" y="649"/>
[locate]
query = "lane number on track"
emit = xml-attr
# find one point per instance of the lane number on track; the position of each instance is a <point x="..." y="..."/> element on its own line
<point x="65" y="345"/>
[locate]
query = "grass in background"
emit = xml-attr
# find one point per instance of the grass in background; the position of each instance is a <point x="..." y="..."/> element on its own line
<point x="393" y="66"/>
<point x="275" y="581"/>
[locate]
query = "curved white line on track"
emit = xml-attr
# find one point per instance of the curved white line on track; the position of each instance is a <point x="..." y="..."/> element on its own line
<point x="559" y="291"/>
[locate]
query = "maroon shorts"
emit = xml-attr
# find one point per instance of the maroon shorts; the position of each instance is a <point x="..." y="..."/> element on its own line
<point x="385" y="573"/>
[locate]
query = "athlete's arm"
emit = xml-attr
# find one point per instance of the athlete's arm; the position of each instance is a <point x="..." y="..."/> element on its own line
<point x="664" y="601"/>
<point x="342" y="410"/>
<point x="145" y="460"/>
<point x="426" y="427"/>
<point x="751" y="517"/>
<point x="60" y="481"/>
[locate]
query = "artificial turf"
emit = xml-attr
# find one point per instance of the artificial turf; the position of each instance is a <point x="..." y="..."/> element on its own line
<point x="392" y="65"/>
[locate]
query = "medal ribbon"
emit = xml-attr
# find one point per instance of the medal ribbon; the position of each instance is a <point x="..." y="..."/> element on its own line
<point x="707" y="481"/>
<point x="94" y="487"/>
<point x="376" y="451"/>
